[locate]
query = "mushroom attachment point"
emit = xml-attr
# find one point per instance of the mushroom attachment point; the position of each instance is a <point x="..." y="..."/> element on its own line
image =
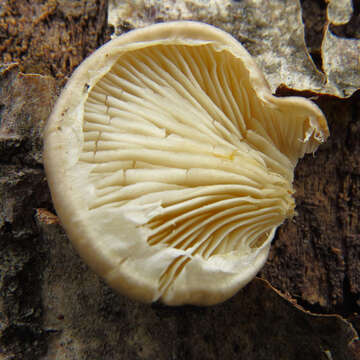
<point x="171" y="164"/>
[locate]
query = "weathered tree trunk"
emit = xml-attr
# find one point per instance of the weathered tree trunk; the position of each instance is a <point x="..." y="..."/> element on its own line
<point x="53" y="307"/>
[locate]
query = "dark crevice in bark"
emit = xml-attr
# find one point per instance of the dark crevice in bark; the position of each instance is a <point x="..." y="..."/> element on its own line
<point x="351" y="29"/>
<point x="314" y="19"/>
<point x="2" y="107"/>
<point x="313" y="308"/>
<point x="346" y="309"/>
<point x="351" y="301"/>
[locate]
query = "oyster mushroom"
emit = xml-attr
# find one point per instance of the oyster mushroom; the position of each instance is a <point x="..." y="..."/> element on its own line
<point x="171" y="164"/>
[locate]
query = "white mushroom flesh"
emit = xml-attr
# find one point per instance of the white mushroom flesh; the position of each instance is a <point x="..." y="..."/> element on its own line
<point x="189" y="170"/>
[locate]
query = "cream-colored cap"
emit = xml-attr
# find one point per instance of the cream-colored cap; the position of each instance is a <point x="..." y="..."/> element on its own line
<point x="171" y="164"/>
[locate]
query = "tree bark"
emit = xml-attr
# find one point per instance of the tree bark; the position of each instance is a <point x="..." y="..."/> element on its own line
<point x="303" y="306"/>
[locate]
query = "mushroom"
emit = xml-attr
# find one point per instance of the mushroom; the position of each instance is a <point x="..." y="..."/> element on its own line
<point x="170" y="163"/>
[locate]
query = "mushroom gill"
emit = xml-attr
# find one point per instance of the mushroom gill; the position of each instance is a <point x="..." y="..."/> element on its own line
<point x="184" y="164"/>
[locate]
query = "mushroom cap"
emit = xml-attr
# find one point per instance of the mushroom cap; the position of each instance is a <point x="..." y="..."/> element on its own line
<point x="170" y="163"/>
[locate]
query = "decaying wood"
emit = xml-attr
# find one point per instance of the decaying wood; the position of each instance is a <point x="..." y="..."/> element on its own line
<point x="53" y="307"/>
<point x="316" y="256"/>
